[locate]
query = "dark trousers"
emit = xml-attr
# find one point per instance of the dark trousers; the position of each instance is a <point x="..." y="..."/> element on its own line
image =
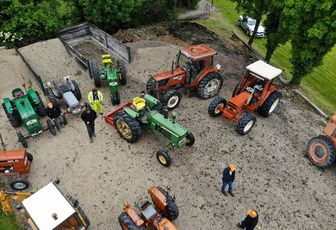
<point x="226" y="184"/>
<point x="91" y="129"/>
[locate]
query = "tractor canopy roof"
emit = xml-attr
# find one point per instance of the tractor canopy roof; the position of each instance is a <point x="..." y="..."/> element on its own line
<point x="198" y="51"/>
<point x="12" y="155"/>
<point x="48" y="208"/>
<point x="263" y="70"/>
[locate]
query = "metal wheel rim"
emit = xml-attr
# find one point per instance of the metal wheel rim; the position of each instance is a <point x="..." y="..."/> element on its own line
<point x="217" y="110"/>
<point x="172" y="102"/>
<point x="19" y="185"/>
<point x="162" y="160"/>
<point x="318" y="152"/>
<point x="274" y="105"/>
<point x="211" y="88"/>
<point x="248" y="126"/>
<point x="124" y="129"/>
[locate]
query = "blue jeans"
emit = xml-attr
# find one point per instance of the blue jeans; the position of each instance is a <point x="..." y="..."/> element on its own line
<point x="225" y="184"/>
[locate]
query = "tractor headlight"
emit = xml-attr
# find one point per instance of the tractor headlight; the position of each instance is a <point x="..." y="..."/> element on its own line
<point x="218" y="67"/>
<point x="113" y="83"/>
<point x="32" y="121"/>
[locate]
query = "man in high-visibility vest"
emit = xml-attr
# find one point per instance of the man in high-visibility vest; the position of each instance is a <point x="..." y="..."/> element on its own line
<point x="96" y="98"/>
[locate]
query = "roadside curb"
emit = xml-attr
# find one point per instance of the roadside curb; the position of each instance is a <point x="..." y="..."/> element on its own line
<point x="309" y="102"/>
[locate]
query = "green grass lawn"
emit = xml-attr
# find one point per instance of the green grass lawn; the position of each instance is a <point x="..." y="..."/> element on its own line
<point x="8" y="222"/>
<point x="319" y="86"/>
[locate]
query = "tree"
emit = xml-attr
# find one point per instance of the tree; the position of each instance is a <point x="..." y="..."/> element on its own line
<point x="255" y="9"/>
<point x="312" y="28"/>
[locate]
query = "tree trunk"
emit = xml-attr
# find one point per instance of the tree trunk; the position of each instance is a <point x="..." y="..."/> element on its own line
<point x="269" y="53"/>
<point x="296" y="80"/>
<point x="254" y="32"/>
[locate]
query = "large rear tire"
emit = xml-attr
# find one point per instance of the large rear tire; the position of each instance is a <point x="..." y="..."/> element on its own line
<point x="150" y="86"/>
<point x="51" y="96"/>
<point x="268" y="107"/>
<point x="19" y="184"/>
<point x="321" y="151"/>
<point x="127" y="223"/>
<point x="76" y="90"/>
<point x="96" y="76"/>
<point x="172" y="211"/>
<point x="172" y="99"/>
<point x="215" y="106"/>
<point x="123" y="72"/>
<point x="40" y="108"/>
<point x="245" y="124"/>
<point x="209" y="86"/>
<point x="128" y="128"/>
<point x="14" y="118"/>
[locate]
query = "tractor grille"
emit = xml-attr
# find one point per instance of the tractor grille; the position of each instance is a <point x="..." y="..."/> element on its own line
<point x="164" y="132"/>
<point x="232" y="106"/>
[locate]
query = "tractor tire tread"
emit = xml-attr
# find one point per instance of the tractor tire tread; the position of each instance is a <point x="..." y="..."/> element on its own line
<point x="331" y="149"/>
<point x="266" y="106"/>
<point x="214" y="104"/>
<point x="201" y="86"/>
<point x="172" y="209"/>
<point x="125" y="219"/>
<point x="133" y="125"/>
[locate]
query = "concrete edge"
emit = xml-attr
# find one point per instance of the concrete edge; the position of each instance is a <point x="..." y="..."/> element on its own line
<point x="311" y="104"/>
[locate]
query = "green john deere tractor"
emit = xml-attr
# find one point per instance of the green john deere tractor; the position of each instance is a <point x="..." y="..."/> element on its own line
<point x="147" y="112"/>
<point x="26" y="109"/>
<point x="113" y="75"/>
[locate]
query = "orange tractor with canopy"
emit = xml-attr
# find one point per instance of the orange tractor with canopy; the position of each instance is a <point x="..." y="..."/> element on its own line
<point x="321" y="150"/>
<point x="254" y="93"/>
<point x="156" y="216"/>
<point x="194" y="71"/>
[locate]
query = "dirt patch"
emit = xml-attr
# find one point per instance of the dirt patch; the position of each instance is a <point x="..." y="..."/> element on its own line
<point x="273" y="174"/>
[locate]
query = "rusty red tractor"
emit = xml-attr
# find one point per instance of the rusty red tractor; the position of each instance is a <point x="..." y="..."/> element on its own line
<point x="254" y="93"/>
<point x="156" y="216"/>
<point x="321" y="150"/>
<point x="194" y="71"/>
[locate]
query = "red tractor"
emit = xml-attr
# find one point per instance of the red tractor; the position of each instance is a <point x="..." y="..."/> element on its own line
<point x="194" y="71"/>
<point x="156" y="216"/>
<point x="16" y="164"/>
<point x="254" y="93"/>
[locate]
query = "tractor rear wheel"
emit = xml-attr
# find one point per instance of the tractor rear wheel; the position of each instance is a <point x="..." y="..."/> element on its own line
<point x="321" y="151"/>
<point x="123" y="72"/>
<point x="209" y="86"/>
<point x="19" y="184"/>
<point x="235" y="90"/>
<point x="172" y="99"/>
<point x="163" y="157"/>
<point x="190" y="139"/>
<point x="51" y="127"/>
<point x="96" y="76"/>
<point x="268" y="107"/>
<point x="51" y="96"/>
<point x="215" y="106"/>
<point x="76" y="90"/>
<point x="128" y="128"/>
<point x="39" y="108"/>
<point x="150" y="86"/>
<point x="127" y="223"/>
<point x="13" y="118"/>
<point x="30" y="157"/>
<point x="245" y="124"/>
<point x="22" y="140"/>
<point x="172" y="211"/>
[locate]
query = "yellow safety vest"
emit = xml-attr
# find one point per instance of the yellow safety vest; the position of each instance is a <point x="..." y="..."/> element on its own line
<point x="100" y="97"/>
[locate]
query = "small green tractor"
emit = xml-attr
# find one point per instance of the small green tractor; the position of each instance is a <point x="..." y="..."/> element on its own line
<point x="113" y="75"/>
<point x="26" y="109"/>
<point x="147" y="112"/>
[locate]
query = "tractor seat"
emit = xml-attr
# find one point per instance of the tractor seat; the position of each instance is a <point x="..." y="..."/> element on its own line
<point x="139" y="103"/>
<point x="149" y="212"/>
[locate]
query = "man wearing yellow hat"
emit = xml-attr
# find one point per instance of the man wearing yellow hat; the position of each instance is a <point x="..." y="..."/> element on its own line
<point x="228" y="178"/>
<point x="250" y="221"/>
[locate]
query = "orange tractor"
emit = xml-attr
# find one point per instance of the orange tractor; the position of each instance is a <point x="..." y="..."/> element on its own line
<point x="254" y="93"/>
<point x="16" y="165"/>
<point x="194" y="71"/>
<point x="156" y="216"/>
<point x="321" y="150"/>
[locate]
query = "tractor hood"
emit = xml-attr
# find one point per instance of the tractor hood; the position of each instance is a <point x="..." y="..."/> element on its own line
<point x="172" y="127"/>
<point x="168" y="74"/>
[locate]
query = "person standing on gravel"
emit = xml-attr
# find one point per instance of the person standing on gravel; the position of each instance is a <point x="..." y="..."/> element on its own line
<point x="54" y="112"/>
<point x="250" y="221"/>
<point x="89" y="116"/>
<point x="96" y="98"/>
<point x="228" y="178"/>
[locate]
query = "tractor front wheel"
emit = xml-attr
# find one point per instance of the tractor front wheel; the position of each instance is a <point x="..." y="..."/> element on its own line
<point x="209" y="86"/>
<point x="127" y="223"/>
<point x="22" y="140"/>
<point x="51" y="127"/>
<point x="172" y="99"/>
<point x="128" y="128"/>
<point x="30" y="157"/>
<point x="115" y="99"/>
<point x="172" y="211"/>
<point x="268" y="107"/>
<point x="216" y="107"/>
<point x="123" y="72"/>
<point x="19" y="184"/>
<point x="321" y="151"/>
<point x="245" y="124"/>
<point x="190" y="139"/>
<point x="163" y="157"/>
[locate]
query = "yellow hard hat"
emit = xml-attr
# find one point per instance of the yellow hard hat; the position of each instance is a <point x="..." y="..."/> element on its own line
<point x="252" y="213"/>
<point x="232" y="167"/>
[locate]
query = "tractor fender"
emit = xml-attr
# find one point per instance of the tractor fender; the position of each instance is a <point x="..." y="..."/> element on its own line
<point x="271" y="90"/>
<point x="202" y="75"/>
<point x="131" y="112"/>
<point x="33" y="97"/>
<point x="8" y="105"/>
